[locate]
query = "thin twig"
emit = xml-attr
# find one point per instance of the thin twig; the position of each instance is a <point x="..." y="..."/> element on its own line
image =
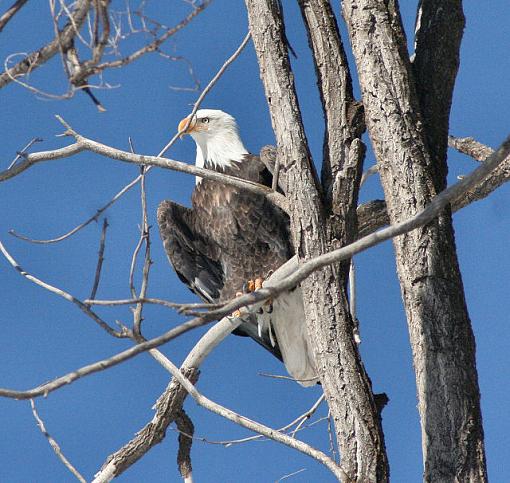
<point x="145" y="236"/>
<point x="146" y="300"/>
<point x="85" y="223"/>
<point x="55" y="446"/>
<point x="290" y="475"/>
<point x="30" y="159"/>
<point x="47" y="387"/>
<point x="332" y="449"/>
<point x="206" y="90"/>
<point x="22" y="153"/>
<point x="10" y="12"/>
<point x="83" y="307"/>
<point x="285" y="378"/>
<point x="100" y="259"/>
<point x="230" y="442"/>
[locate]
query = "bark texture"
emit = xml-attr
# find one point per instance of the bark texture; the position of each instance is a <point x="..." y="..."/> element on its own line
<point x="439" y="326"/>
<point x="345" y="382"/>
<point x="168" y="408"/>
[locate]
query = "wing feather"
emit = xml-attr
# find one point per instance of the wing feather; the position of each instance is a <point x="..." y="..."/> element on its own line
<point x="194" y="258"/>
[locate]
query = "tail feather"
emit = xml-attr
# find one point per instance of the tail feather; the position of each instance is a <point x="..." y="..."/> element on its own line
<point x="288" y="322"/>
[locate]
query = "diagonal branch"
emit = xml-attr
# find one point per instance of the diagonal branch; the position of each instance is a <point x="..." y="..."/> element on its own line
<point x="83" y="143"/>
<point x="373" y="215"/>
<point x="61" y="293"/>
<point x="10" y="12"/>
<point x="54" y="445"/>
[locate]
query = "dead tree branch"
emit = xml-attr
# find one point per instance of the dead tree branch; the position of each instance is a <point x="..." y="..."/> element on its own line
<point x="61" y="293"/>
<point x="54" y="445"/>
<point x="186" y="430"/>
<point x="10" y="12"/>
<point x="39" y="57"/>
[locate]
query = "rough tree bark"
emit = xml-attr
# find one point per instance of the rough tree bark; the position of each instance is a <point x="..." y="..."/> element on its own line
<point x="345" y="382"/>
<point x="406" y="112"/>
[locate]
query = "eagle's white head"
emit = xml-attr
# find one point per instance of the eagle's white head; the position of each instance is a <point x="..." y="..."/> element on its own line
<point x="217" y="137"/>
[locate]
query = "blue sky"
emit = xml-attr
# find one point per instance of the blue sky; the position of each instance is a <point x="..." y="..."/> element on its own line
<point x="44" y="336"/>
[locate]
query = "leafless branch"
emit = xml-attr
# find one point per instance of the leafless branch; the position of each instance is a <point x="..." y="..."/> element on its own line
<point x="109" y="152"/>
<point x="92" y="68"/>
<point x="148" y="300"/>
<point x="290" y="475"/>
<point x="373" y="215"/>
<point x="39" y="57"/>
<point x="186" y="430"/>
<point x="471" y="147"/>
<point x="230" y="442"/>
<point x="45" y="388"/>
<point x="83" y="307"/>
<point x="10" y="12"/>
<point x="332" y="449"/>
<point x="55" y="446"/>
<point x="86" y="222"/>
<point x="23" y="152"/>
<point x="206" y="90"/>
<point x="100" y="259"/>
<point x="145" y="237"/>
<point x="33" y="158"/>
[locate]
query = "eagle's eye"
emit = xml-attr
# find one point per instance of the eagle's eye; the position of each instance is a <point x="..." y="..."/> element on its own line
<point x="204" y="120"/>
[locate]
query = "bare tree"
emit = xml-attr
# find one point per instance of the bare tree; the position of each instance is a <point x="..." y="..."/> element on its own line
<point x="406" y="115"/>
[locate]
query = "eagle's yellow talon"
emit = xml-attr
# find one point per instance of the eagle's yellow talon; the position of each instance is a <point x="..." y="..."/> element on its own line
<point x="251" y="286"/>
<point x="237" y="313"/>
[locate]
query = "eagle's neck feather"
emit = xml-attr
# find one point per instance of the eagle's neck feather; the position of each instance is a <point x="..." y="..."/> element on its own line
<point x="219" y="152"/>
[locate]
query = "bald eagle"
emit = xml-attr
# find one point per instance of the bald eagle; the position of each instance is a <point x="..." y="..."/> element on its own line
<point x="230" y="236"/>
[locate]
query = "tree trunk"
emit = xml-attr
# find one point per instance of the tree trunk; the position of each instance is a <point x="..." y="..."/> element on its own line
<point x="345" y="382"/>
<point x="411" y="173"/>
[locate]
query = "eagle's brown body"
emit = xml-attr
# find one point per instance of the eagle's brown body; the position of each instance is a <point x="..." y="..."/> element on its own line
<point x="232" y="235"/>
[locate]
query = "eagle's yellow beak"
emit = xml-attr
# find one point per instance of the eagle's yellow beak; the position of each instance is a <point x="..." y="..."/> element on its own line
<point x="182" y="127"/>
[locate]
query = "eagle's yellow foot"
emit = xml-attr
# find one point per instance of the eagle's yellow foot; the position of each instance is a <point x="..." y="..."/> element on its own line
<point x="257" y="284"/>
<point x="237" y="313"/>
<point x="251" y="286"/>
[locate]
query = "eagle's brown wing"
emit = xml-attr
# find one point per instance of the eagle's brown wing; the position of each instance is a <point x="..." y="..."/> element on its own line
<point x="194" y="258"/>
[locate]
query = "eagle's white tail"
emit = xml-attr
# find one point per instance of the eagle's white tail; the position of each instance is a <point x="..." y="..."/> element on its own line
<point x="288" y="322"/>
